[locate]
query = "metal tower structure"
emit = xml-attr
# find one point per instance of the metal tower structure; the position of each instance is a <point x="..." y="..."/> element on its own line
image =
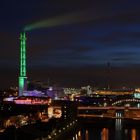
<point x="22" y="75"/>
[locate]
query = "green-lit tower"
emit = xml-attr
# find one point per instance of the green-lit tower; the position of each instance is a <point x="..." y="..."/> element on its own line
<point x="22" y="75"/>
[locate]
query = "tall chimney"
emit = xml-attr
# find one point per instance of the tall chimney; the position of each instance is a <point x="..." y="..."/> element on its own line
<point x="22" y="74"/>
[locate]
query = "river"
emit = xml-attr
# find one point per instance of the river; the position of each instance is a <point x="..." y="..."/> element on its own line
<point x="118" y="132"/>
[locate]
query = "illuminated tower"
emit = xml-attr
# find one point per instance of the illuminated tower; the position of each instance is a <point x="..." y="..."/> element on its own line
<point x="22" y="75"/>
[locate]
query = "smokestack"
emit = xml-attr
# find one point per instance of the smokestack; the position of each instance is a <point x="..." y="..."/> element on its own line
<point x="22" y="74"/>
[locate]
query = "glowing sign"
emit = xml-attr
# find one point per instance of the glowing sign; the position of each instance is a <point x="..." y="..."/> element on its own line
<point x="32" y="101"/>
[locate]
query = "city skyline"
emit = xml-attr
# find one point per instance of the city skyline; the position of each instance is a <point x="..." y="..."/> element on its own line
<point x="72" y="42"/>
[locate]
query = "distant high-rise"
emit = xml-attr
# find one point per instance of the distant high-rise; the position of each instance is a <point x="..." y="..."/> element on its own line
<point x="22" y="75"/>
<point x="108" y="75"/>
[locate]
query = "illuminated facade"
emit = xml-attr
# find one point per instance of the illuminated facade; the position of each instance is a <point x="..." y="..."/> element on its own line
<point x="109" y="92"/>
<point x="68" y="91"/>
<point x="22" y="75"/>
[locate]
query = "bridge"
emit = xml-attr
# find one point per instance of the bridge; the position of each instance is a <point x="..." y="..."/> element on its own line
<point x="123" y="101"/>
<point x="123" y="108"/>
<point x="106" y="108"/>
<point x="108" y="112"/>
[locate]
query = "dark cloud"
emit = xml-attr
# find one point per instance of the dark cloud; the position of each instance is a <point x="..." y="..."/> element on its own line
<point x="125" y="54"/>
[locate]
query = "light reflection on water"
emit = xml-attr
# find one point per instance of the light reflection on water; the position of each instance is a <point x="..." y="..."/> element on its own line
<point x="133" y="132"/>
<point x="118" y="127"/>
<point x="115" y="133"/>
<point x="106" y="134"/>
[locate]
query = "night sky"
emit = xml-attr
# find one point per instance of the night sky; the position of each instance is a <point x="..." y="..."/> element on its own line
<point x="72" y="42"/>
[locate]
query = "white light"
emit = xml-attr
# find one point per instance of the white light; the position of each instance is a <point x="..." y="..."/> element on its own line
<point x="49" y="137"/>
<point x="50" y="88"/>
